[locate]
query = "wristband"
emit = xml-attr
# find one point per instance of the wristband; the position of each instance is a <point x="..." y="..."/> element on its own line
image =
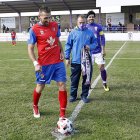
<point x="35" y="63"/>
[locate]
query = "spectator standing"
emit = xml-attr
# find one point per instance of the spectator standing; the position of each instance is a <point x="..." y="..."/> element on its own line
<point x="4" y="28"/>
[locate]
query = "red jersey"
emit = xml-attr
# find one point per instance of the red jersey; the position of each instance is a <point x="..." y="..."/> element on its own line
<point x="13" y="34"/>
<point x="46" y="38"/>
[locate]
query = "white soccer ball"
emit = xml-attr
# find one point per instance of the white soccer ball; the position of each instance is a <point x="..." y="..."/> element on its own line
<point x="64" y="126"/>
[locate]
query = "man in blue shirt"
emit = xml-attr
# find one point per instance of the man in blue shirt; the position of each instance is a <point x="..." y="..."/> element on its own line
<point x="80" y="37"/>
<point x="99" y="53"/>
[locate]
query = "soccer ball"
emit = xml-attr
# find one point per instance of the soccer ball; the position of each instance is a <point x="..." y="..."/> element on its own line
<point x="64" y="126"/>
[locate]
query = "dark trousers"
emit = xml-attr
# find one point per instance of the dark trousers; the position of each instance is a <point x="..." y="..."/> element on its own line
<point x="75" y="78"/>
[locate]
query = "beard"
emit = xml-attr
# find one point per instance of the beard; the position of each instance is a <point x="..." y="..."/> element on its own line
<point x="46" y="23"/>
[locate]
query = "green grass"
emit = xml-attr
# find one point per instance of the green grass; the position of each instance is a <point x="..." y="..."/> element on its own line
<point x="113" y="115"/>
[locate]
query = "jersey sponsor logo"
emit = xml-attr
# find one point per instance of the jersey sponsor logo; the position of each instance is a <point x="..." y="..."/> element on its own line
<point x="95" y="28"/>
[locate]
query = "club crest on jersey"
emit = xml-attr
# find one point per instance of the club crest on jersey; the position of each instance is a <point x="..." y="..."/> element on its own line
<point x="51" y="41"/>
<point x="95" y="28"/>
<point x="41" y="32"/>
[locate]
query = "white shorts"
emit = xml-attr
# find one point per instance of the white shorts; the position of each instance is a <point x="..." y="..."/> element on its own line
<point x="98" y="58"/>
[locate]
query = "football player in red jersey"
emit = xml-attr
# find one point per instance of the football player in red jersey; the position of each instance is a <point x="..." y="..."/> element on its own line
<point x="49" y="65"/>
<point x="13" y="37"/>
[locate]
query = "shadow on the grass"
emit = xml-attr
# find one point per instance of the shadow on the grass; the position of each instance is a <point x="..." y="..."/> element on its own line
<point x="48" y="113"/>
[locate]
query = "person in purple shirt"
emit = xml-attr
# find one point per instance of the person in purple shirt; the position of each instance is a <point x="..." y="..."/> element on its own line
<point x="99" y="53"/>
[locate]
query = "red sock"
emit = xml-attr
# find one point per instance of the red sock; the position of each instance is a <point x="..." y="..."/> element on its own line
<point x="63" y="102"/>
<point x="36" y="97"/>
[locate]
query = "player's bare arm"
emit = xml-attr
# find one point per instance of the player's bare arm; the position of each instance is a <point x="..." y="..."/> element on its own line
<point x="103" y="51"/>
<point x="62" y="52"/>
<point x="33" y="58"/>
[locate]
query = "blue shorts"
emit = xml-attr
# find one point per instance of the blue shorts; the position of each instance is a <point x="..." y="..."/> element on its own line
<point x="56" y="72"/>
<point x="13" y="39"/>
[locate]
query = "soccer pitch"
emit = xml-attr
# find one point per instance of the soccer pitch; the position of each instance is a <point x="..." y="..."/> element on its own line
<point x="113" y="115"/>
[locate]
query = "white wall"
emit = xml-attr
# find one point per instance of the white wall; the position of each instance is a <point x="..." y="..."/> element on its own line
<point x="130" y="36"/>
<point x="109" y="36"/>
<point x="19" y="37"/>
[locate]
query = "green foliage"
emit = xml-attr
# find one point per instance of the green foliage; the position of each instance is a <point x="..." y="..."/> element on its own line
<point x="113" y="115"/>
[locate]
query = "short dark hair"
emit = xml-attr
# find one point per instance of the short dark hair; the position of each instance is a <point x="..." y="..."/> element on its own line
<point x="44" y="9"/>
<point x="91" y="13"/>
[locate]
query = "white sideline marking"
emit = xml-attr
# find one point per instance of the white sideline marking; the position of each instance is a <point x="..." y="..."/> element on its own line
<point x="15" y="59"/>
<point x="81" y="103"/>
<point x="125" y="58"/>
<point x="23" y="59"/>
